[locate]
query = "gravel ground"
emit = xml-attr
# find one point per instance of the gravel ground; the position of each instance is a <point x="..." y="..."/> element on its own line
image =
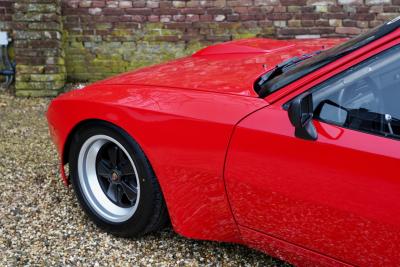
<point x="41" y="223"/>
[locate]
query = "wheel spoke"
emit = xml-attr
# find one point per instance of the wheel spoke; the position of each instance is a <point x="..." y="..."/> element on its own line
<point x="130" y="191"/>
<point x="126" y="168"/>
<point x="127" y="171"/>
<point x="127" y="174"/>
<point x="103" y="169"/>
<point x="121" y="156"/>
<point x="118" y="194"/>
<point x="108" y="178"/>
<point x="111" y="192"/>
<point x="113" y="155"/>
<point x="104" y="182"/>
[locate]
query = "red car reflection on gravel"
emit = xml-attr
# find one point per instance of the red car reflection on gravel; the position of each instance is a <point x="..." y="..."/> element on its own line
<point x="291" y="147"/>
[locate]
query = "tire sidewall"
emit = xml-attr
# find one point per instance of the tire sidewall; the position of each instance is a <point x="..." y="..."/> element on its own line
<point x="136" y="224"/>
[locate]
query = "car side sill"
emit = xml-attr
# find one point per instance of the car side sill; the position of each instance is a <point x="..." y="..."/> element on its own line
<point x="295" y="254"/>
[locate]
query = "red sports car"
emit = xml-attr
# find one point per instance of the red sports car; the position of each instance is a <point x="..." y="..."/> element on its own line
<point x="288" y="146"/>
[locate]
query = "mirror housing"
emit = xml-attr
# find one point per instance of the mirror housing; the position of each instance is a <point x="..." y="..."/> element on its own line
<point x="300" y="114"/>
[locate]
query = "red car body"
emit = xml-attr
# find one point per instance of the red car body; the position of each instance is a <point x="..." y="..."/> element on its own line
<point x="229" y="165"/>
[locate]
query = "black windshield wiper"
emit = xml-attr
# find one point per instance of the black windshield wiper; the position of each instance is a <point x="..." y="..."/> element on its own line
<point x="343" y="53"/>
<point x="282" y="67"/>
<point x="279" y="77"/>
<point x="267" y="86"/>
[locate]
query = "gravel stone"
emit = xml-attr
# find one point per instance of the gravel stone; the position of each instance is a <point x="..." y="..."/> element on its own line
<point x="42" y="224"/>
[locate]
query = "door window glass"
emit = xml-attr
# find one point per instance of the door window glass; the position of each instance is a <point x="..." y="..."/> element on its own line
<point x="365" y="97"/>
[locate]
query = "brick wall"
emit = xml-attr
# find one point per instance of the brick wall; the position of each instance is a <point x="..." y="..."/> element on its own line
<point x="107" y="37"/>
<point x="220" y="20"/>
<point x="37" y="33"/>
<point x="100" y="38"/>
<point x="6" y="12"/>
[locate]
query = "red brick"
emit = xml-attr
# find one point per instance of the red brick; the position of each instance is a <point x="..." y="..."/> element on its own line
<point x="391" y="9"/>
<point x="113" y="11"/>
<point x="138" y="11"/>
<point x="178" y="25"/>
<point x="164" y="4"/>
<point x="192" y="18"/>
<point x="241" y="10"/>
<point x="360" y="16"/>
<point x="336" y="16"/>
<point x="349" y="23"/>
<point x="206" y="18"/>
<point x="348" y="30"/>
<point x="218" y="38"/>
<point x="98" y="3"/>
<point x="167" y="38"/>
<point x="307" y="23"/>
<point x="217" y="11"/>
<point x="245" y="17"/>
<point x="240" y="3"/>
<point x="233" y="17"/>
<point x="293" y="2"/>
<point x="139" y="3"/>
<point x="307" y="9"/>
<point x="153" y="18"/>
<point x="322" y="23"/>
<point x="166" y="11"/>
<point x="197" y="11"/>
<point x="279" y="16"/>
<point x="362" y="9"/>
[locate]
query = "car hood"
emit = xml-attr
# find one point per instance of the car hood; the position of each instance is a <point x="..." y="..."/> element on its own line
<point x="229" y="68"/>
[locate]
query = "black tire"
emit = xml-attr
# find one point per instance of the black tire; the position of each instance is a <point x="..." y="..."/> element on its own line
<point x="151" y="213"/>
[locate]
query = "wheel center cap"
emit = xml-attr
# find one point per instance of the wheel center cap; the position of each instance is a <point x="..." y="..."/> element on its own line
<point x="114" y="177"/>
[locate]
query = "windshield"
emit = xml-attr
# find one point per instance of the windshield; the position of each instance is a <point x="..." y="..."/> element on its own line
<point x="268" y="86"/>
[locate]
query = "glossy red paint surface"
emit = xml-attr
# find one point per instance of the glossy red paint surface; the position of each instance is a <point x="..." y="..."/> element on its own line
<point x="329" y="196"/>
<point x="184" y="135"/>
<point x="229" y="165"/>
<point x="337" y="196"/>
<point x="225" y="68"/>
<point x="296" y="255"/>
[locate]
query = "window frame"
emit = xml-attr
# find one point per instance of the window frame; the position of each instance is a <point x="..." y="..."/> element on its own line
<point x="364" y="39"/>
<point x="316" y="87"/>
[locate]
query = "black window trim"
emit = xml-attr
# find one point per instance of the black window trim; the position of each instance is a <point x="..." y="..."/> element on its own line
<point x="314" y="88"/>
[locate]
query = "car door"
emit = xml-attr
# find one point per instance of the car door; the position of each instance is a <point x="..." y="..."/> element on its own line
<point x="338" y="195"/>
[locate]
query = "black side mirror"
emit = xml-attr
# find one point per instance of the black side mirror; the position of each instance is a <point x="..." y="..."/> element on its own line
<point x="300" y="114"/>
